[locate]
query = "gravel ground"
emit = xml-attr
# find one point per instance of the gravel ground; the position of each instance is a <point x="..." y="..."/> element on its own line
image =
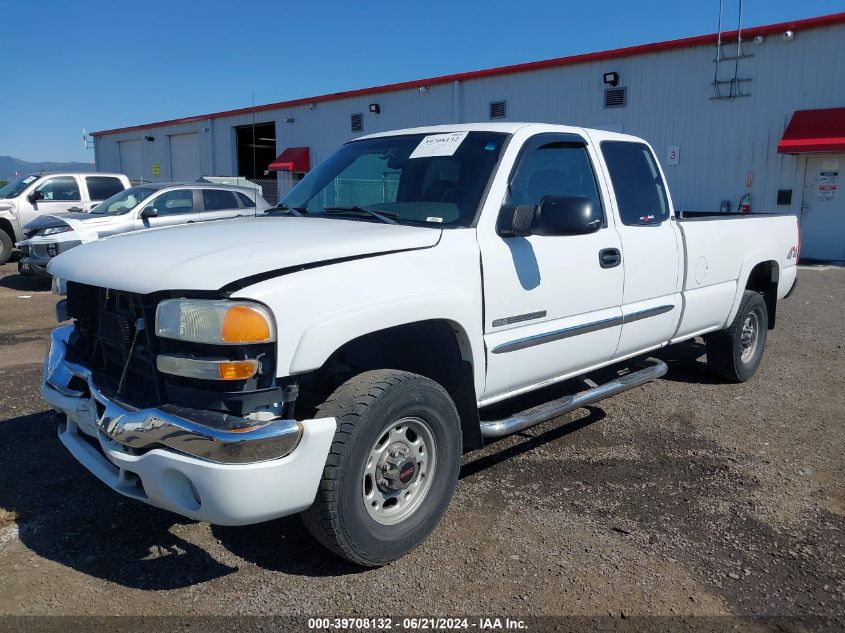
<point x="685" y="496"/>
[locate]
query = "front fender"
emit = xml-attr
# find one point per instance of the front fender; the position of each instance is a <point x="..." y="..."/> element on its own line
<point x="330" y="332"/>
<point x="8" y="214"/>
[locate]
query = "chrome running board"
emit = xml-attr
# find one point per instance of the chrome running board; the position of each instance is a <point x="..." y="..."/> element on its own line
<point x="497" y="428"/>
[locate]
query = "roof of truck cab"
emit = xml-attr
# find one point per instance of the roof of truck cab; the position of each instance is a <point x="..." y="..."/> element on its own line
<point x="506" y="128"/>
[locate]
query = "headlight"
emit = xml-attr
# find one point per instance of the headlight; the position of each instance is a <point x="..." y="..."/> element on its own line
<point x="56" y="229"/>
<point x="59" y="286"/>
<point x="215" y="322"/>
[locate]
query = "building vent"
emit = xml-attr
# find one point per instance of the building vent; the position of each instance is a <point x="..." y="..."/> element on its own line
<point x="615" y="98"/>
<point x="498" y="109"/>
<point x="357" y="122"/>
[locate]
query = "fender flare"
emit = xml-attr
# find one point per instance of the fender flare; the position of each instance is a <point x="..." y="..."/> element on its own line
<point x="10" y="216"/>
<point x="748" y="264"/>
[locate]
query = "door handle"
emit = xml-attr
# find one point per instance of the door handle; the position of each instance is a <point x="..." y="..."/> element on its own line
<point x="75" y="209"/>
<point x="609" y="257"/>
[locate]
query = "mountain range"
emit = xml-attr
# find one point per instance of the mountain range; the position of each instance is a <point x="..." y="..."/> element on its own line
<point x="10" y="165"/>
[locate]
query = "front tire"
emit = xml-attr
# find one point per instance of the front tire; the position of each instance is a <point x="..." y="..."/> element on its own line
<point x="392" y="467"/>
<point x="7" y="245"/>
<point x="736" y="352"/>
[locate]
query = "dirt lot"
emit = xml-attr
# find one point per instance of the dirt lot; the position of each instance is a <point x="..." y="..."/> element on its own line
<point x="685" y="496"/>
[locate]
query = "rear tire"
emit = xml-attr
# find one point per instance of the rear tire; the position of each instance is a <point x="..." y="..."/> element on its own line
<point x="7" y="245"/>
<point x="736" y="352"/>
<point x="392" y="467"/>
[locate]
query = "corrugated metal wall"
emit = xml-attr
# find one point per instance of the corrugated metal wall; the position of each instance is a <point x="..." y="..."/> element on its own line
<point x="668" y="104"/>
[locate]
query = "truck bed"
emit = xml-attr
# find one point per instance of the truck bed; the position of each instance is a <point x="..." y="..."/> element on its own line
<point x="719" y="250"/>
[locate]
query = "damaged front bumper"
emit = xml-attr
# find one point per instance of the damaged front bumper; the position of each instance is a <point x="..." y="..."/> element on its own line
<point x="205" y="465"/>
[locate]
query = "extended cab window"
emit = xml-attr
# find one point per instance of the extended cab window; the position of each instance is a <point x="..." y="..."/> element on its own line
<point x="102" y="187"/>
<point x="218" y="199"/>
<point x="559" y="168"/>
<point x="173" y="202"/>
<point x="640" y="192"/>
<point x="64" y="188"/>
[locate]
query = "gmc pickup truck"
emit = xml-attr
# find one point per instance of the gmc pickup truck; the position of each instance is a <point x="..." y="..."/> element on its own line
<point x="336" y="358"/>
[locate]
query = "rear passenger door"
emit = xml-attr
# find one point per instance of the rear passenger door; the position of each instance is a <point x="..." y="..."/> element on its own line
<point x="652" y="256"/>
<point x="101" y="188"/>
<point x="176" y="206"/>
<point x="220" y="204"/>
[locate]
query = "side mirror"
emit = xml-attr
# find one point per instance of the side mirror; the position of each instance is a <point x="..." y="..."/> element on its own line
<point x="35" y="196"/>
<point x="567" y="215"/>
<point x="149" y="212"/>
<point x="555" y="215"/>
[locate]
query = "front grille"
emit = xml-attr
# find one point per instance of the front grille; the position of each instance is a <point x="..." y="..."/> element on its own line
<point x="113" y="338"/>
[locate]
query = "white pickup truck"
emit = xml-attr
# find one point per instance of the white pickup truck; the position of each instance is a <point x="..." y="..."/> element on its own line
<point x="24" y="199"/>
<point x="338" y="357"/>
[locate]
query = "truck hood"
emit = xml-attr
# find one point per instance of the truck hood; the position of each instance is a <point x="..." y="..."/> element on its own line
<point x="209" y="256"/>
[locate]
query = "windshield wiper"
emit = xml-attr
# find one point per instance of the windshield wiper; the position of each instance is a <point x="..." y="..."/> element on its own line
<point x="282" y="207"/>
<point x="385" y="217"/>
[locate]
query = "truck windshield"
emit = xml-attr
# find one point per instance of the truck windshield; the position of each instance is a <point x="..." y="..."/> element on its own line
<point x="124" y="201"/>
<point x="14" y="188"/>
<point x="423" y="179"/>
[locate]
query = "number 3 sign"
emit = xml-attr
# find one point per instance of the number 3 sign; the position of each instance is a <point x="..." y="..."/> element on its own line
<point x="673" y="155"/>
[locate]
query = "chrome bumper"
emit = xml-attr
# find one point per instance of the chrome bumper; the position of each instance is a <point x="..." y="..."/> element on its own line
<point x="212" y="436"/>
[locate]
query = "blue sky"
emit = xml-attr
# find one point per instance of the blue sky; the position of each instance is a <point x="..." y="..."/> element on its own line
<point x="104" y="64"/>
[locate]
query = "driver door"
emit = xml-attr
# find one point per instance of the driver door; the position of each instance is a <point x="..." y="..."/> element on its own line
<point x="552" y="303"/>
<point x="61" y="195"/>
<point x="177" y="206"/>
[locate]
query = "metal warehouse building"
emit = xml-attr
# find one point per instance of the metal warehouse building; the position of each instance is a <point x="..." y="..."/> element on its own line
<point x="753" y="118"/>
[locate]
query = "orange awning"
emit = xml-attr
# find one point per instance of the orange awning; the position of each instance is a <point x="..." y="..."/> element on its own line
<point x="292" y="159"/>
<point x="814" y="131"/>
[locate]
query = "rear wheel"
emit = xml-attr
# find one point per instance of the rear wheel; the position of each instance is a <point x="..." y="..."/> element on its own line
<point x="392" y="468"/>
<point x="736" y="352"/>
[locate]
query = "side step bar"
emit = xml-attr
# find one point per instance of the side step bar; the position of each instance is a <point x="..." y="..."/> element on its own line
<point x="654" y="369"/>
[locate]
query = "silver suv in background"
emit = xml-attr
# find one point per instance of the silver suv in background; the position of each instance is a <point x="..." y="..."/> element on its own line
<point x="30" y="196"/>
<point x="141" y="207"/>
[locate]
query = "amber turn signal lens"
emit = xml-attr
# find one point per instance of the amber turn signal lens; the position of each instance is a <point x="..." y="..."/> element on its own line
<point x="236" y="370"/>
<point x="243" y="324"/>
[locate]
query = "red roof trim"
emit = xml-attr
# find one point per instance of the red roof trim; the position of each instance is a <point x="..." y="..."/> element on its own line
<point x="820" y="130"/>
<point x="296" y="159"/>
<point x="640" y="49"/>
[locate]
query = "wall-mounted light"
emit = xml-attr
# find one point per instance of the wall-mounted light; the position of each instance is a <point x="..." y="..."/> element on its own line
<point x="611" y="79"/>
<point x="150" y="138"/>
<point x="311" y="106"/>
<point x="423" y="89"/>
<point x="289" y="119"/>
<point x="375" y="108"/>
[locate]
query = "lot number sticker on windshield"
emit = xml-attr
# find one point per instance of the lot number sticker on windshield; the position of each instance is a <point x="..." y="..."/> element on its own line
<point x="439" y="145"/>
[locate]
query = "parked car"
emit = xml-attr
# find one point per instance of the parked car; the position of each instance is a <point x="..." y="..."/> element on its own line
<point x="141" y="207"/>
<point x="336" y="357"/>
<point x="24" y="199"/>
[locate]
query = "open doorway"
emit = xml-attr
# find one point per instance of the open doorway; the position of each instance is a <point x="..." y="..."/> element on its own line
<point x="256" y="146"/>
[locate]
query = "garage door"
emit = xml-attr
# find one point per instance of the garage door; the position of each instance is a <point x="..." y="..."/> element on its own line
<point x="131" y="163"/>
<point x="185" y="157"/>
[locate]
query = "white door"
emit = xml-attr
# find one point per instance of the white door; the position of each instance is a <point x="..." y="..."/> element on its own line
<point x="185" y="157"/>
<point x="131" y="159"/>
<point x="56" y="195"/>
<point x="551" y="305"/>
<point x="823" y="210"/>
<point x="176" y="206"/>
<point x="651" y="302"/>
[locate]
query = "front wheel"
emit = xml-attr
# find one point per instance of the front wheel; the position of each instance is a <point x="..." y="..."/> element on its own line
<point x="7" y="245"/>
<point x="736" y="352"/>
<point x="392" y="468"/>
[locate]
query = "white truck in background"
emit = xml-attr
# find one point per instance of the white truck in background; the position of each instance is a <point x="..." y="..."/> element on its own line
<point x="337" y="357"/>
<point x="33" y="195"/>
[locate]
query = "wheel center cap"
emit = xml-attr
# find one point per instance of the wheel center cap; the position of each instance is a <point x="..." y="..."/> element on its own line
<point x="407" y="472"/>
